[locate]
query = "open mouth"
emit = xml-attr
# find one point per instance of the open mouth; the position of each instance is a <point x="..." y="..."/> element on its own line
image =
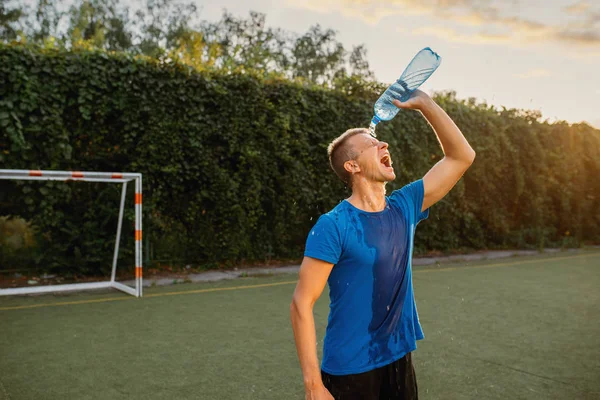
<point x="386" y="161"/>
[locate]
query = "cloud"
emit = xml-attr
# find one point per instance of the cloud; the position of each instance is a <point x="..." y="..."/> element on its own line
<point x="579" y="37"/>
<point x="534" y="73"/>
<point x="577" y="8"/>
<point x="370" y="11"/>
<point x="581" y="25"/>
<point x="452" y="35"/>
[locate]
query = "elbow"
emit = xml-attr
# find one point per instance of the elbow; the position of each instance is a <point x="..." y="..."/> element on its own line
<point x="295" y="314"/>
<point x="464" y="160"/>
<point x="468" y="156"/>
<point x="471" y="156"/>
<point x="299" y="308"/>
<point x="294" y="309"/>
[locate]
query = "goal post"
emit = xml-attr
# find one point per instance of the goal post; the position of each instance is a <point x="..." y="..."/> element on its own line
<point x="109" y="177"/>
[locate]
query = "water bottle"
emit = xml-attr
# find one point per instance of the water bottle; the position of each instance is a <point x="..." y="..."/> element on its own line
<point x="420" y="68"/>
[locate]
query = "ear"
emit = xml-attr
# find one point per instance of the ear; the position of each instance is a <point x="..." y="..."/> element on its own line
<point x="351" y="166"/>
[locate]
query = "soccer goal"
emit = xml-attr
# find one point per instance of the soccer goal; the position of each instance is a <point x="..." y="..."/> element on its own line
<point x="110" y="177"/>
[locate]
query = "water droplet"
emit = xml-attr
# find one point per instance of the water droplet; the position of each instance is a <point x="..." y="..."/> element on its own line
<point x="312" y="233"/>
<point x="388" y="308"/>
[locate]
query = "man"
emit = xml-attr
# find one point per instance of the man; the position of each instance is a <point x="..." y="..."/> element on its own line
<point x="363" y="249"/>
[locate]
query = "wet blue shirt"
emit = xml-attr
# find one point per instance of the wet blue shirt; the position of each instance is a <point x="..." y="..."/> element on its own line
<point x="373" y="318"/>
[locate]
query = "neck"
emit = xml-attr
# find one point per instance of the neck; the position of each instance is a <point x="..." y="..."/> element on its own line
<point x="368" y="196"/>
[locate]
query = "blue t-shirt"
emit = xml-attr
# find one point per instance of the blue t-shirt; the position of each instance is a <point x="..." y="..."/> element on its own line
<point x="373" y="318"/>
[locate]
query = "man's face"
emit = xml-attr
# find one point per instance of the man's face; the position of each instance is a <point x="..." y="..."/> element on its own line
<point x="373" y="159"/>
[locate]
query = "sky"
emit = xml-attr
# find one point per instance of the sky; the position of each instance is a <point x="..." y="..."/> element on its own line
<point x="530" y="54"/>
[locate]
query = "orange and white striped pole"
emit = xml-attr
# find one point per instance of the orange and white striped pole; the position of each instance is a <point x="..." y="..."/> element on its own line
<point x="138" y="235"/>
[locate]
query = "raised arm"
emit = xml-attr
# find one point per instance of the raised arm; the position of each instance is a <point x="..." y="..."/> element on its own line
<point x="458" y="154"/>
<point x="313" y="277"/>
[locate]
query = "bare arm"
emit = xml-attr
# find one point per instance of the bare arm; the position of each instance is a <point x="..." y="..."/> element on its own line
<point x="458" y="154"/>
<point x="313" y="277"/>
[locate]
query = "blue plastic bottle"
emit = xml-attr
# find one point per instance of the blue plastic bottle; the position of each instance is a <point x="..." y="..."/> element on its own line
<point x="420" y="68"/>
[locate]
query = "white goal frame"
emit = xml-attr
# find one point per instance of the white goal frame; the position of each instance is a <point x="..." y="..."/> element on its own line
<point x="110" y="177"/>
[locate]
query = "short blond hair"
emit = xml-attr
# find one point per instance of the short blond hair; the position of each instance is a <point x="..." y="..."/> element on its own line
<point x="340" y="151"/>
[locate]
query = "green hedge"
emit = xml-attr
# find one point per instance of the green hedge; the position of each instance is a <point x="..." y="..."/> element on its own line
<point x="235" y="166"/>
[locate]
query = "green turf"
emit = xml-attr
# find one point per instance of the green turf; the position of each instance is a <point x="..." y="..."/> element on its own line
<point x="529" y="329"/>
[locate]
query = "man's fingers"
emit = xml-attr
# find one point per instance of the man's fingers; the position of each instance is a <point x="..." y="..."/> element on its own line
<point x="399" y="104"/>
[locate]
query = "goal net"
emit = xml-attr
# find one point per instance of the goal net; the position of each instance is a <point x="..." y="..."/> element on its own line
<point x="110" y="177"/>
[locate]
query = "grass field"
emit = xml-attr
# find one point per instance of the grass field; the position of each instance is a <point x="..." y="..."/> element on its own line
<point x="518" y="328"/>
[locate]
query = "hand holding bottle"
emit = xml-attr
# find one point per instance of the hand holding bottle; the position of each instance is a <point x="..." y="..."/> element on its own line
<point x="417" y="101"/>
<point x="420" y="68"/>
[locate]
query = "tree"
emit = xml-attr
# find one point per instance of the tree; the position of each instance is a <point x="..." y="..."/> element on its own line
<point x="163" y="25"/>
<point x="317" y="56"/>
<point x="359" y="66"/>
<point x="101" y="24"/>
<point x="248" y="43"/>
<point x="11" y="19"/>
<point x="47" y="18"/>
<point x="171" y="31"/>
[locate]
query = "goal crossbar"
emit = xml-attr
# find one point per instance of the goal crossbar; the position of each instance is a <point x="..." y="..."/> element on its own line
<point x="89" y="176"/>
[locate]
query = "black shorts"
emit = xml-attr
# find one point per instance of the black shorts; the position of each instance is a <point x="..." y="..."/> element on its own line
<point x="395" y="381"/>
